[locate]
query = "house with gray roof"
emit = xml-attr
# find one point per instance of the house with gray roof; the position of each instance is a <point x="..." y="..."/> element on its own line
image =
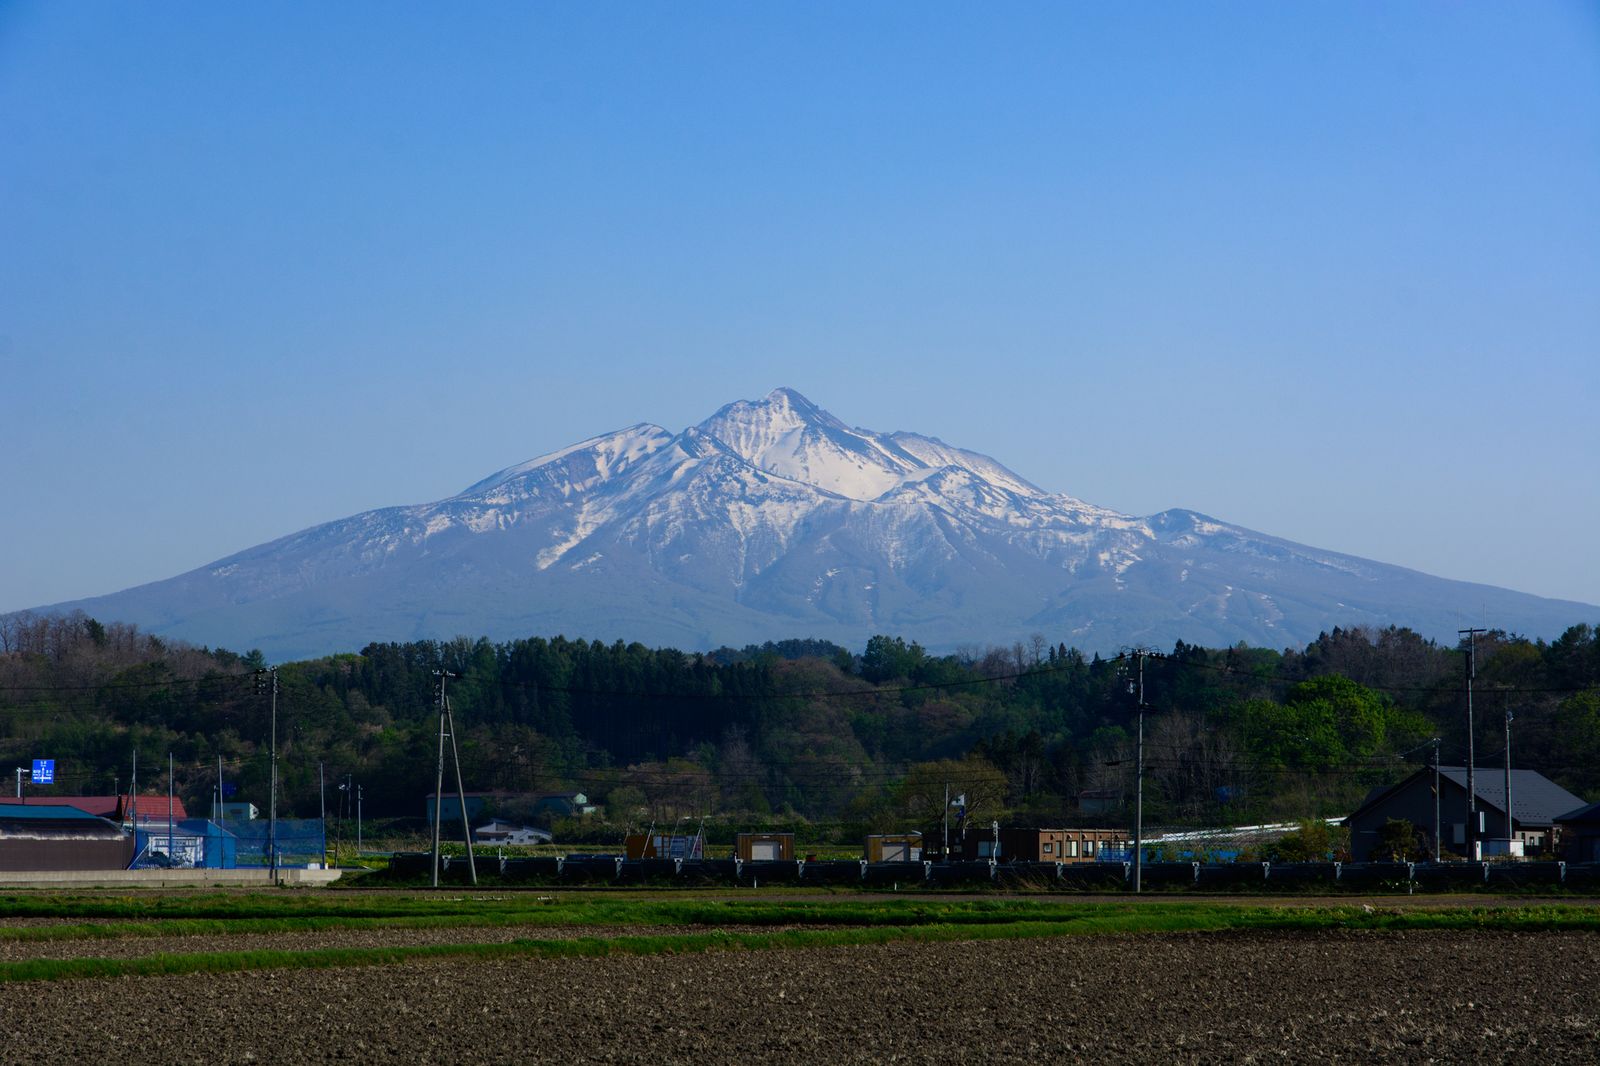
<point x="1536" y="803"/>
<point x="1580" y="833"/>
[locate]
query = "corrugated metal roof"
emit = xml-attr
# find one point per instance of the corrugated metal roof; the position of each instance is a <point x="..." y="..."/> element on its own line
<point x="41" y="812"/>
<point x="1537" y="799"/>
<point x="101" y="806"/>
<point x="1591" y="813"/>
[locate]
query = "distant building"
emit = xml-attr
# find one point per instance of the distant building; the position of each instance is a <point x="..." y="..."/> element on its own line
<point x="188" y="843"/>
<point x="538" y="806"/>
<point x="100" y="806"/>
<point x="1536" y="803"/>
<point x="1580" y="832"/>
<point x="1099" y="800"/>
<point x="236" y="812"/>
<point x="477" y="804"/>
<point x="42" y="836"/>
<point x="499" y="832"/>
<point x="764" y="847"/>
<point x="1040" y="845"/>
<point x="564" y="805"/>
<point x="894" y="847"/>
<point x="664" y="846"/>
<point x="124" y="809"/>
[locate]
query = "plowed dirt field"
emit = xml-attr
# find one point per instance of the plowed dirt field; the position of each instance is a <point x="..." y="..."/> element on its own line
<point x="1238" y="997"/>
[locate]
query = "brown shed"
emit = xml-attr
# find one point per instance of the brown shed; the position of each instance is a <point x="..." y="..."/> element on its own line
<point x="764" y="847"/>
<point x="894" y="847"/>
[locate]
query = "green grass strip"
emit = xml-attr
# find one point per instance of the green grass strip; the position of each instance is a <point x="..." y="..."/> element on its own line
<point x="1142" y="920"/>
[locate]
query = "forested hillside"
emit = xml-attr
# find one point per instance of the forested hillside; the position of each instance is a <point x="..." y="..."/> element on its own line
<point x="803" y="730"/>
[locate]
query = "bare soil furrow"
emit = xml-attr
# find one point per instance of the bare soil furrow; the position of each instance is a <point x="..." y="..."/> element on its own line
<point x="1352" y="997"/>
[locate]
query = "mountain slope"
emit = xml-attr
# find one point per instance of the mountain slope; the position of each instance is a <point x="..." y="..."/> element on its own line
<point x="773" y="519"/>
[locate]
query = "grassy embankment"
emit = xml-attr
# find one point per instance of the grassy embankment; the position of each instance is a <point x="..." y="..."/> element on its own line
<point x="705" y="924"/>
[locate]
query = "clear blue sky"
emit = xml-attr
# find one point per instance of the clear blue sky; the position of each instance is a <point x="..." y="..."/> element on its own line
<point x="1330" y="271"/>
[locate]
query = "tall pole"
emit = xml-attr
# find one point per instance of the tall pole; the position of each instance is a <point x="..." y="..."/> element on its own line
<point x="322" y="809"/>
<point x="271" y="681"/>
<point x="1138" y="802"/>
<point x="438" y="788"/>
<point x="169" y="807"/>
<point x="1472" y="794"/>
<point x="1436" y="855"/>
<point x="946" y="851"/>
<point x="1509" y="831"/>
<point x="461" y="794"/>
<point x="222" y="799"/>
<point x="358" y="824"/>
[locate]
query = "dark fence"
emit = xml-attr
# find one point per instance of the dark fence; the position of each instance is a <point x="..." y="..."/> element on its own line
<point x="1039" y="876"/>
<point x="298" y="842"/>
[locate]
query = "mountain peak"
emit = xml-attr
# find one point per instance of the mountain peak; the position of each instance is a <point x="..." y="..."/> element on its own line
<point x="788" y="435"/>
<point x="770" y="518"/>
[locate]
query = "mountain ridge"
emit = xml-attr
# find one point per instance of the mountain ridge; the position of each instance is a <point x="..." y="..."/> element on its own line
<point x="773" y="519"/>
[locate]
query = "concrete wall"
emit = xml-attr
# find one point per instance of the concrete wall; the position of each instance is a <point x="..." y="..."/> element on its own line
<point x="162" y="878"/>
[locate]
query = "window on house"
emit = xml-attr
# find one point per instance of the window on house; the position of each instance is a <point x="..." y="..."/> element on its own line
<point x="1072" y="849"/>
<point x="1088" y="847"/>
<point x="1049" y="848"/>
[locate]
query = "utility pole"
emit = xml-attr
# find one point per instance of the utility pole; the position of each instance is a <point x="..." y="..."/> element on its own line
<point x="945" y="853"/>
<point x="1472" y="796"/>
<point x="1509" y="831"/>
<point x="270" y="682"/>
<point x="358" y="824"/>
<point x="447" y="727"/>
<point x="1136" y="687"/>
<point x="322" y="810"/>
<point x="169" y="808"/>
<point x="1436" y="855"/>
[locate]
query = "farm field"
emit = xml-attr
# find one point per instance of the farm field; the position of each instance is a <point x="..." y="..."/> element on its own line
<point x="724" y="977"/>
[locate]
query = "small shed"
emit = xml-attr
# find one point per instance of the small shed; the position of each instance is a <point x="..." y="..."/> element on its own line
<point x="764" y="847"/>
<point x="664" y="846"/>
<point x="48" y="837"/>
<point x="894" y="847"/>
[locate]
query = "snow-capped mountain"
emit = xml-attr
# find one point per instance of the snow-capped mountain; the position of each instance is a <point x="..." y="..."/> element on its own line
<point x="773" y="519"/>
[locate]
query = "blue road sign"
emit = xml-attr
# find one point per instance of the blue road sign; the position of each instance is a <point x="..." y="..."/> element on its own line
<point x="44" y="771"/>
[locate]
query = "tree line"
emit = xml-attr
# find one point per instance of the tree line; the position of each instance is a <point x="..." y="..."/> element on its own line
<point x="804" y="731"/>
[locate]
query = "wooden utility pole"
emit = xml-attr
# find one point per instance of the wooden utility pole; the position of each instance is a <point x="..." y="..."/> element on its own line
<point x="1472" y="793"/>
